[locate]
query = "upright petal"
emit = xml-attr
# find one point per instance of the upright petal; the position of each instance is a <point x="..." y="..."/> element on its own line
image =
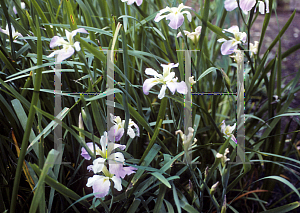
<point x="175" y="20"/>
<point x="116" y="157"/>
<point x="77" y="46"/>
<point x="230" y="5"/>
<point x="267" y="6"/>
<point x="131" y="132"/>
<point x="223" y="127"/>
<point x="98" y="165"/>
<point x="198" y="29"/>
<point x="111" y="146"/>
<point x="136" y="126"/>
<point x="162" y="91"/>
<point x="261" y="6"/>
<point x="247" y="5"/>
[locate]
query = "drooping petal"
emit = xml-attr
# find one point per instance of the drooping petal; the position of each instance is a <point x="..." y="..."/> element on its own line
<point x="188" y="15"/>
<point x="222" y="40"/>
<point x="175" y="20"/>
<point x="100" y="184"/>
<point x="247" y="5"/>
<point x="228" y="48"/>
<point x="117" y="183"/>
<point x="159" y="15"/>
<point x="85" y="154"/>
<point x="148" y="84"/>
<point x="57" y="41"/>
<point x="230" y="5"/>
<point x="56" y="52"/>
<point x="65" y="53"/>
<point x="79" y="30"/>
<point x="181" y="87"/>
<point x="162" y="91"/>
<point x="172" y="86"/>
<point x="98" y="165"/>
<point x="116" y="168"/>
<point x="120" y="171"/>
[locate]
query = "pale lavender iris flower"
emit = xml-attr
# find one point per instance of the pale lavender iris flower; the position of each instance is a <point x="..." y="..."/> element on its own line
<point x="115" y="160"/>
<point x="175" y="15"/>
<point x="117" y="130"/>
<point x="15" y="34"/>
<point x="194" y="36"/>
<point x="69" y="46"/>
<point x="228" y="130"/>
<point x="168" y="79"/>
<point x="129" y="2"/>
<point x="229" y="46"/>
<point x="101" y="183"/>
